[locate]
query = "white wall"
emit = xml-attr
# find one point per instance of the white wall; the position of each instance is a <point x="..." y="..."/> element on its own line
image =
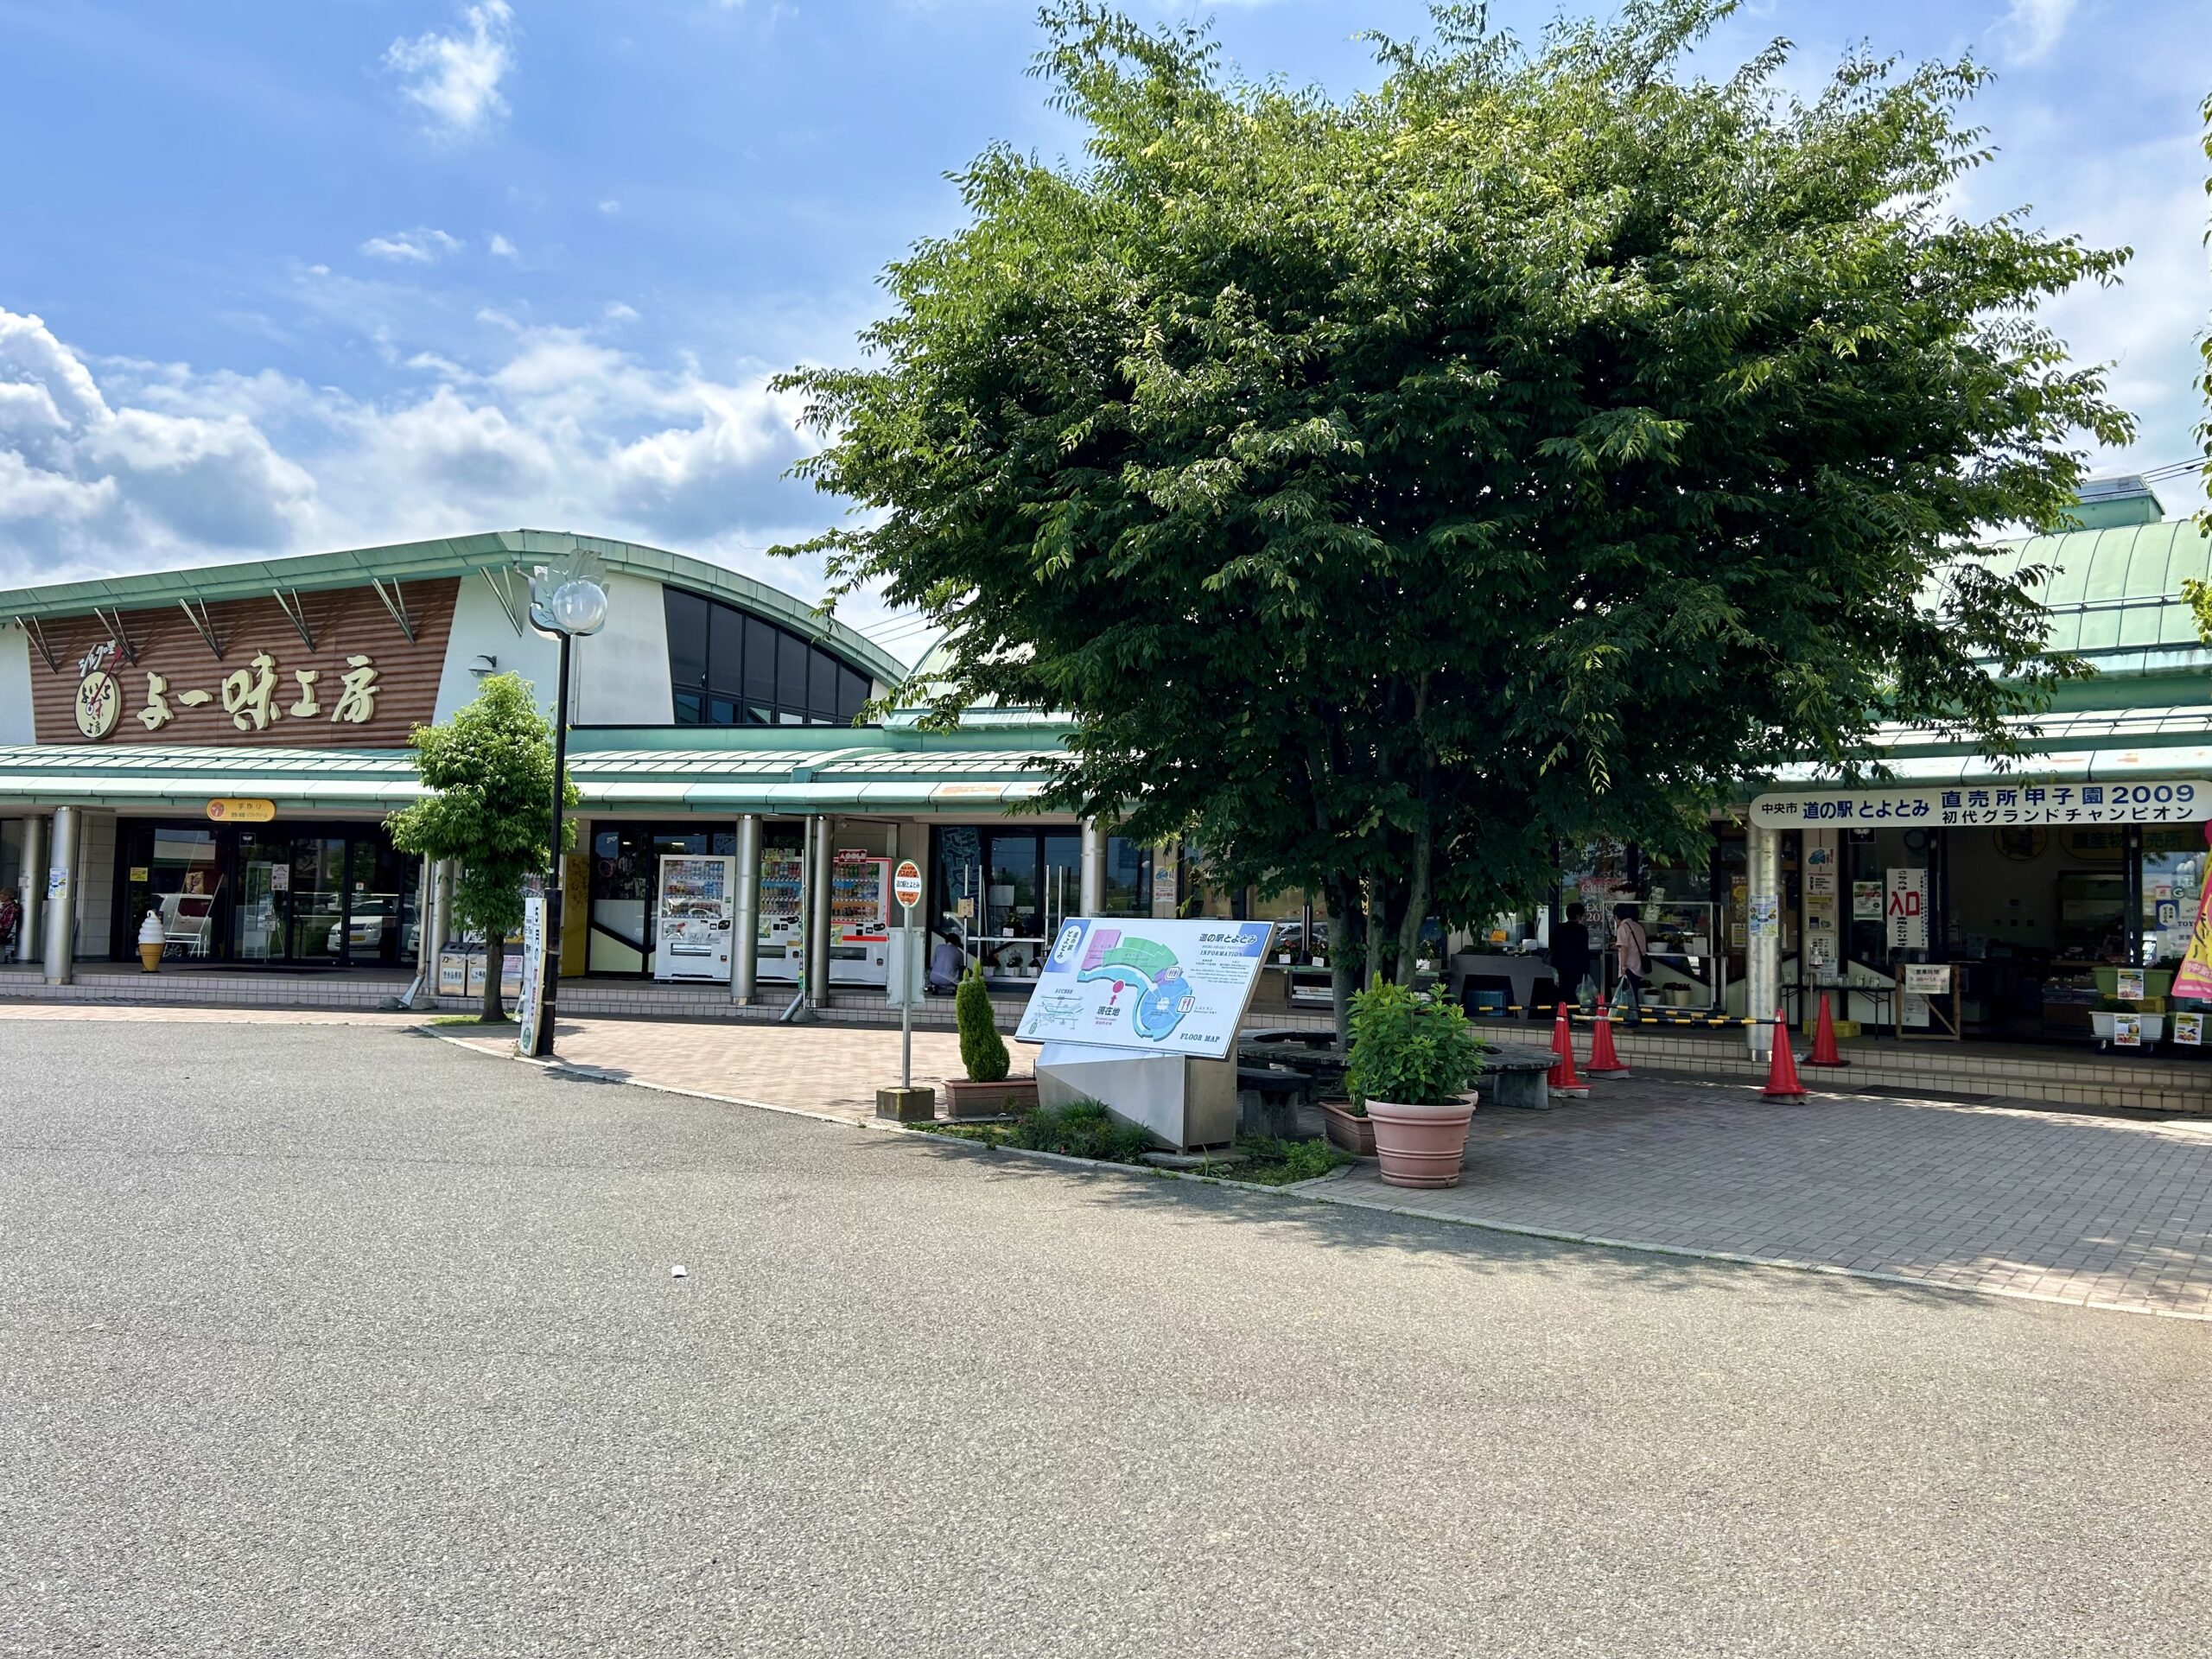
<point x="621" y="671"/>
<point x="481" y="628"/>
<point x="15" y="687"/>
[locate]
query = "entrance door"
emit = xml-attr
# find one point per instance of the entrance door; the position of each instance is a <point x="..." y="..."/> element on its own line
<point x="318" y="901"/>
<point x="1013" y="926"/>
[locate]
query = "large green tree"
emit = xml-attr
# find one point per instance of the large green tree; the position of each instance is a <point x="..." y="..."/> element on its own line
<point x="1393" y="488"/>
<point x="490" y="773"/>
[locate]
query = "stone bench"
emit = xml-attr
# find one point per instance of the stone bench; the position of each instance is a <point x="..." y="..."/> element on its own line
<point x="1268" y="1099"/>
<point x="1515" y="1078"/>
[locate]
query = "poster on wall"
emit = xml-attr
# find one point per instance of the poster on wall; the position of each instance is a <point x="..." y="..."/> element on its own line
<point x="1866" y="901"/>
<point x="1928" y="978"/>
<point x="2127" y="1031"/>
<point x="1913" y="1011"/>
<point x="2130" y="988"/>
<point x="2189" y="1029"/>
<point x="1132" y="982"/>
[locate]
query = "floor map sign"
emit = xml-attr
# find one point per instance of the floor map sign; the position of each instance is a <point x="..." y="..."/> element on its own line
<point x="1130" y="981"/>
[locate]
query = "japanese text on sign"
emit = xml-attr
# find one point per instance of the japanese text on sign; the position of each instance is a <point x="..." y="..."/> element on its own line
<point x="251" y="697"/>
<point x="1961" y="806"/>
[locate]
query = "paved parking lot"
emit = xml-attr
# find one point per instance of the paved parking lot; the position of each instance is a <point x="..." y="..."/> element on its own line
<point x="323" y="1341"/>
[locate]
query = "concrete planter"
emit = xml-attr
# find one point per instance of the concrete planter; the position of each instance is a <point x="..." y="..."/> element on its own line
<point x="965" y="1098"/>
<point x="1421" y="1146"/>
<point x="1347" y="1130"/>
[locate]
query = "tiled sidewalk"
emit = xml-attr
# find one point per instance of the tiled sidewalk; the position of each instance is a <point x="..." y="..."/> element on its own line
<point x="834" y="1070"/>
<point x="2054" y="1206"/>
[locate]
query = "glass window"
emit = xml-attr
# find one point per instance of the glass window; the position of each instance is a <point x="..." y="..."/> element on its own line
<point x="2173" y="880"/>
<point x="686" y="641"/>
<point x="852" y="695"/>
<point x="790" y="677"/>
<point x="822" y="686"/>
<point x="761" y="668"/>
<point x="726" y="656"/>
<point x="1129" y="878"/>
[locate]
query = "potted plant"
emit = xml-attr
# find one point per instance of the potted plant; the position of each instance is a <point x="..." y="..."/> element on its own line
<point x="987" y="1091"/>
<point x="1414" y="1061"/>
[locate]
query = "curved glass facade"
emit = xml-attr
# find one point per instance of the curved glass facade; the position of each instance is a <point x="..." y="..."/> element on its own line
<point x="730" y="668"/>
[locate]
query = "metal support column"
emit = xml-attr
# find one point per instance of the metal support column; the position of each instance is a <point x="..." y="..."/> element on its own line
<point x="817" y="912"/>
<point x="745" y="913"/>
<point x="62" y="899"/>
<point x="1762" y="936"/>
<point x="1093" y="897"/>
<point x="32" y="881"/>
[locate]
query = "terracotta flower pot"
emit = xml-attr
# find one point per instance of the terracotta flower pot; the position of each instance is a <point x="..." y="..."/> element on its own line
<point x="1347" y="1129"/>
<point x="1421" y="1146"/>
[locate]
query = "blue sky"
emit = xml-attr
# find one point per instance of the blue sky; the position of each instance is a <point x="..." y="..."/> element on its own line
<point x="287" y="277"/>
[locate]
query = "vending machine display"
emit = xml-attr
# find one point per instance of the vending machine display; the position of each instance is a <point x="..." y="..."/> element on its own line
<point x="859" y="916"/>
<point x="782" y="928"/>
<point x="692" y="935"/>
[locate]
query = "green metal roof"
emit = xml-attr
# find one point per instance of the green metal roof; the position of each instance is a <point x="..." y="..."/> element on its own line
<point x="455" y="555"/>
<point x="2115" y="596"/>
<point x="824" y="770"/>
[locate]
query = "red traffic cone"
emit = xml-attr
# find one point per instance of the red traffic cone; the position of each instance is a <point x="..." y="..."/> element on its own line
<point x="1560" y="1078"/>
<point x="1824" y="1039"/>
<point x="1782" y="1072"/>
<point x="1603" y="1062"/>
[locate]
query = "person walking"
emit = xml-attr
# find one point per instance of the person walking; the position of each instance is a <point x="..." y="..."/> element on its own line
<point x="1633" y="949"/>
<point x="1571" y="954"/>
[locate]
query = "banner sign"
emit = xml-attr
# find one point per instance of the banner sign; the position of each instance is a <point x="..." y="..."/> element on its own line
<point x="528" y="1002"/>
<point x="1130" y="981"/>
<point x="1904" y="909"/>
<point x="1928" y="978"/>
<point x="2194" y="979"/>
<point x="2184" y="800"/>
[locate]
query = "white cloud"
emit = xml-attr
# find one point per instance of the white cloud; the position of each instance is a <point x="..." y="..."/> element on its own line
<point x="2030" y="28"/>
<point x="618" y="312"/>
<point x="454" y="79"/>
<point x="115" y="464"/>
<point x="502" y="248"/>
<point x="420" y="247"/>
<point x="610" y="205"/>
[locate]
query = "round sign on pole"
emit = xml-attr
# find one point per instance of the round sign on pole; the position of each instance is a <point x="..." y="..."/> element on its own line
<point x="906" y="883"/>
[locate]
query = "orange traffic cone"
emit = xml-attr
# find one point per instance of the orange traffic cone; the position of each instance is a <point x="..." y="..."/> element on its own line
<point x="1782" y="1072"/>
<point x="1824" y="1039"/>
<point x="1603" y="1062"/>
<point x="1562" y="1078"/>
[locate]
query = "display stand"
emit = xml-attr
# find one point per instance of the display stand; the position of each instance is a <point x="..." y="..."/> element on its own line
<point x="1936" y="985"/>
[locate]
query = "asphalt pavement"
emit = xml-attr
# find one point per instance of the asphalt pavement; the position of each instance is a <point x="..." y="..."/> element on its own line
<point x="342" y="1340"/>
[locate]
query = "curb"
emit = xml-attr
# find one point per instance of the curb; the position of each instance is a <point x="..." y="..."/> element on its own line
<point x="1306" y="1191"/>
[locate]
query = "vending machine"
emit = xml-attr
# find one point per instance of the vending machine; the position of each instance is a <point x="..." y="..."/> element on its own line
<point x="860" y="919"/>
<point x="781" y="933"/>
<point x="692" y="931"/>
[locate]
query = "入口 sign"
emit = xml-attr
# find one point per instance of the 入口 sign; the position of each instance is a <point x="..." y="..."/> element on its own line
<point x="1958" y="806"/>
<point x="1904" y="909"/>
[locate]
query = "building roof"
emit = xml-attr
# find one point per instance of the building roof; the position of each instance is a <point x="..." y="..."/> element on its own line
<point x="495" y="553"/>
<point x="792" y="770"/>
<point x="2115" y="596"/>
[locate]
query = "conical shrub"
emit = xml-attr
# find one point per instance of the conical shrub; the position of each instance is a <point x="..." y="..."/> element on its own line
<point x="982" y="1051"/>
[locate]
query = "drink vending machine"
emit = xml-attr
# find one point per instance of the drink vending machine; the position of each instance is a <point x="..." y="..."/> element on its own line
<point x="859" y="916"/>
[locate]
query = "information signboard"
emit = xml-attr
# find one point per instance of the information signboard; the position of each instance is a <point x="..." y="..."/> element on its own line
<point x="1159" y="987"/>
<point x="529" y="1000"/>
<point x="1956" y="806"/>
<point x="1905" y="909"/>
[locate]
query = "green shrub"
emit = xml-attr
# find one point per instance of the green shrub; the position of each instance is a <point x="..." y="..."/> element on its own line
<point x="982" y="1051"/>
<point x="1410" y="1047"/>
<point x="1082" y="1128"/>
<point x="1270" y="1163"/>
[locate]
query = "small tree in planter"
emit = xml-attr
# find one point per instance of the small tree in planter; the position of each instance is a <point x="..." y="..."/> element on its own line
<point x="987" y="1091"/>
<point x="1413" y="1067"/>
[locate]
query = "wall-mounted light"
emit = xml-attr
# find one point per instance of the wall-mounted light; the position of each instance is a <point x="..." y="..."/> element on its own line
<point x="484" y="665"/>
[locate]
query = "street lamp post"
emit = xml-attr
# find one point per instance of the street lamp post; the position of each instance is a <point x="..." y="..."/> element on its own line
<point x="567" y="605"/>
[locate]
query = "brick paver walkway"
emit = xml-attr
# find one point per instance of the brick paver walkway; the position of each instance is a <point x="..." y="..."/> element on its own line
<point x="831" y="1070"/>
<point x="2055" y="1205"/>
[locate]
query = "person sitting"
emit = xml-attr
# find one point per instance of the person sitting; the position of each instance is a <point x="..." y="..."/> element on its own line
<point x="946" y="963"/>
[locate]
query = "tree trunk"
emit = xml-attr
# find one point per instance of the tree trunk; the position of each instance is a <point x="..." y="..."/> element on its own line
<point x="494" y="962"/>
<point x="1346" y="932"/>
<point x="1417" y="889"/>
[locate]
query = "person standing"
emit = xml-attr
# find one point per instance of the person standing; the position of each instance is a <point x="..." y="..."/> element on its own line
<point x="1571" y="954"/>
<point x="1633" y="949"/>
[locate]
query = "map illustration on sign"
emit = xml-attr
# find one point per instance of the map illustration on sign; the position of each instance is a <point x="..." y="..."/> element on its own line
<point x="1133" y="982"/>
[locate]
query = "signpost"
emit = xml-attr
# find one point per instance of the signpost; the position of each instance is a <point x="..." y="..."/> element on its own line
<point x="907" y="889"/>
<point x="530" y="1009"/>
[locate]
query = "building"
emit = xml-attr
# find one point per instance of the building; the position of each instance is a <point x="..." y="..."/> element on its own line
<point x="219" y="747"/>
<point x="713" y="719"/>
